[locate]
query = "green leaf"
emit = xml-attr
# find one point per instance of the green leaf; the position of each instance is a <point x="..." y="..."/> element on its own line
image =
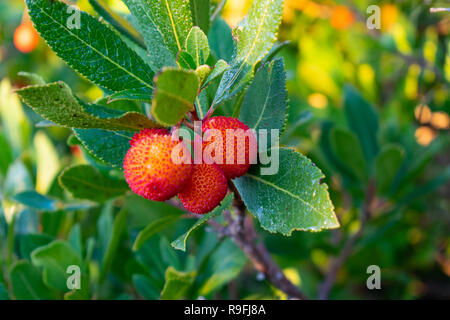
<point x="54" y="258"/>
<point x="200" y="14"/>
<point x="363" y="120"/>
<point x="265" y="103"/>
<point x="6" y="156"/>
<point x="55" y="102"/>
<point x="255" y="35"/>
<point x="152" y="229"/>
<point x="291" y="199"/>
<point x="180" y="242"/>
<point x="29" y="242"/>
<point x="224" y="264"/>
<point x="145" y="287"/>
<point x="32" y="78"/>
<point x="220" y="67"/>
<point x="120" y="24"/>
<point x="347" y="149"/>
<point x="186" y="61"/>
<point x="86" y="182"/>
<point x="197" y="46"/>
<point x="139" y="94"/>
<point x="174" y="95"/>
<point x="221" y="40"/>
<point x="27" y="284"/>
<point x="38" y="201"/>
<point x="74" y="239"/>
<point x="94" y="50"/>
<point x="177" y="283"/>
<point x="387" y="163"/>
<point x="164" y="24"/>
<point x="4" y="295"/>
<point x="108" y="146"/>
<point x="119" y="226"/>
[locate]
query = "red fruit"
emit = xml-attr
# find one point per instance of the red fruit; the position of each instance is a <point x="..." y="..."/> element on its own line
<point x="26" y="38"/>
<point x="150" y="170"/>
<point x="146" y="132"/>
<point x="240" y="155"/>
<point x="207" y="187"/>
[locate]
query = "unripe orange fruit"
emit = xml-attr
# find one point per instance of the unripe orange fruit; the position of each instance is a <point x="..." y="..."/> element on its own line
<point x="149" y="166"/>
<point x="236" y="149"/>
<point x="207" y="187"/>
<point x="26" y="38"/>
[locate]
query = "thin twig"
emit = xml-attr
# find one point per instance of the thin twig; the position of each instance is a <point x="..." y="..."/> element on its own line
<point x="347" y="249"/>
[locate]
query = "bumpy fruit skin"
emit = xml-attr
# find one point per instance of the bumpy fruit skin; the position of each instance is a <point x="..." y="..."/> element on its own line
<point x="147" y="132"/>
<point x="234" y="169"/>
<point x="26" y="38"/>
<point x="207" y="187"/>
<point x="149" y="169"/>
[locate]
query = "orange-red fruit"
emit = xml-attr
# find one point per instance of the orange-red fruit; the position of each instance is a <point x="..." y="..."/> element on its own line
<point x="149" y="168"/>
<point x="235" y="167"/>
<point x="207" y="187"/>
<point x="26" y="38"/>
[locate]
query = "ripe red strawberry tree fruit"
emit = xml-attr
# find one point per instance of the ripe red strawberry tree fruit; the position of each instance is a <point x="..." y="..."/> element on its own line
<point x="182" y="74"/>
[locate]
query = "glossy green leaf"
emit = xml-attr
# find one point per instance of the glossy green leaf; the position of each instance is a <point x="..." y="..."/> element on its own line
<point x="363" y="120"/>
<point x="164" y="25"/>
<point x="55" y="102"/>
<point x="197" y="46"/>
<point x="119" y="226"/>
<point x="108" y="146"/>
<point x="94" y="50"/>
<point x="27" y="284"/>
<point x="118" y="22"/>
<point x="86" y="182"/>
<point x="387" y="163"/>
<point x="255" y="35"/>
<point x="265" y="103"/>
<point x="348" y="151"/>
<point x="185" y="60"/>
<point x="219" y="68"/>
<point x="291" y="199"/>
<point x="55" y="258"/>
<point x="174" y="95"/>
<point x="200" y="14"/>
<point x="152" y="229"/>
<point x="177" y="283"/>
<point x="180" y="242"/>
<point x="4" y="295"/>
<point x="139" y="94"/>
<point x="221" y="40"/>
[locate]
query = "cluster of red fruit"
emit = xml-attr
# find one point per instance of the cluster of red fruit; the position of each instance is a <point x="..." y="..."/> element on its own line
<point x="151" y="172"/>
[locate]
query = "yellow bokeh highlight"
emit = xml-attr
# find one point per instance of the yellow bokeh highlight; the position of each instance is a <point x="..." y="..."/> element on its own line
<point x="94" y="93"/>
<point x="234" y="11"/>
<point x="389" y="16"/>
<point x="319" y="258"/>
<point x="411" y="82"/>
<point x="293" y="276"/>
<point x="424" y="135"/>
<point x="318" y="100"/>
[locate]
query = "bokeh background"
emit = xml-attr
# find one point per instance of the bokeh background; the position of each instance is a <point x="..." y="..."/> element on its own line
<point x="402" y="70"/>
